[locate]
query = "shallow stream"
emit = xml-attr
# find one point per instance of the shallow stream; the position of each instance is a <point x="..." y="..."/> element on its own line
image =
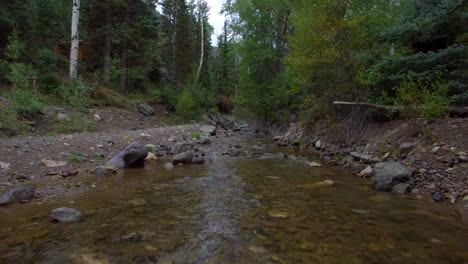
<point x="235" y="210"/>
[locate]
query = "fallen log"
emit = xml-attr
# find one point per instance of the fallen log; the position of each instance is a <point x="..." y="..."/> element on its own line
<point x="461" y="111"/>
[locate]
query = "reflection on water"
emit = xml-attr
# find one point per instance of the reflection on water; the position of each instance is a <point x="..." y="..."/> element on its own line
<point x="235" y="211"/>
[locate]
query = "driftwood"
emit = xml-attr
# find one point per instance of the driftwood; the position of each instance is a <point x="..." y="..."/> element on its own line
<point x="454" y="110"/>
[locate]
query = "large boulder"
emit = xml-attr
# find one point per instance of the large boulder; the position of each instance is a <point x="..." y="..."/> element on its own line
<point x="388" y="174"/>
<point x="144" y="109"/>
<point x="181" y="147"/>
<point x="66" y="215"/>
<point x="211" y="130"/>
<point x="17" y="194"/>
<point x="133" y="155"/>
<point x="183" y="158"/>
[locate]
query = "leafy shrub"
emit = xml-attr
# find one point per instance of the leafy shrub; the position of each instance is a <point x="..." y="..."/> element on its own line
<point x="436" y="104"/>
<point x="423" y="97"/>
<point x="166" y="94"/>
<point x="24" y="102"/>
<point x="74" y="95"/>
<point x="187" y="106"/>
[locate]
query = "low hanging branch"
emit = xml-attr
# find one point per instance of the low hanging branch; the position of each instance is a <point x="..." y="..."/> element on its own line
<point x="459" y="111"/>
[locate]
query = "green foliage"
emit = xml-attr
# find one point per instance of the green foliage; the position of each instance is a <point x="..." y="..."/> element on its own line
<point x="48" y="77"/>
<point x="24" y="102"/>
<point x="17" y="72"/>
<point x="187" y="106"/>
<point x="75" y="123"/>
<point x="77" y="157"/>
<point x="74" y="95"/>
<point x="425" y="97"/>
<point x="196" y="135"/>
<point x="9" y="122"/>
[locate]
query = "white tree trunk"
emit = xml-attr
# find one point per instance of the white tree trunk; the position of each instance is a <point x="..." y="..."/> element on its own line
<point x="75" y="42"/>
<point x="202" y="16"/>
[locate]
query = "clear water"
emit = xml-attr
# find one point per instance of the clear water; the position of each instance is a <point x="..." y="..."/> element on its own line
<point x="227" y="212"/>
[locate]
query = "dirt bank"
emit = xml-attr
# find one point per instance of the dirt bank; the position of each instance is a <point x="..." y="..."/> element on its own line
<point x="82" y="152"/>
<point x="435" y="153"/>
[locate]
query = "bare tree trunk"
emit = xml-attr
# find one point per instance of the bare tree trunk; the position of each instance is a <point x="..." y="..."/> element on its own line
<point x="75" y="42"/>
<point x="123" y="76"/>
<point x="202" y="14"/>
<point x="107" y="47"/>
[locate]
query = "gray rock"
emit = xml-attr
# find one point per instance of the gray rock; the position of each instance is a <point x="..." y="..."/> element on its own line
<point x="204" y="140"/>
<point x="184" y="158"/>
<point x="17" y="194"/>
<point x="181" y="147"/>
<point x="388" y="174"/>
<point x="208" y="129"/>
<point x="401" y="188"/>
<point x="407" y="147"/>
<point x="198" y="159"/>
<point x="66" y="215"/>
<point x="437" y="196"/>
<point x="364" y="157"/>
<point x="168" y="166"/>
<point x="132" y="156"/>
<point x="144" y="109"/>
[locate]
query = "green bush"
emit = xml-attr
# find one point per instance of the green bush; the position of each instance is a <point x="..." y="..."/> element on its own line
<point x="423" y="97"/>
<point x="436" y="105"/>
<point x="74" y="95"/>
<point x="187" y="106"/>
<point x="24" y="102"/>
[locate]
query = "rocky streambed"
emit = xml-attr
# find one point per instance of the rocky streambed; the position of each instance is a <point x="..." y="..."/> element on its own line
<point x="226" y="196"/>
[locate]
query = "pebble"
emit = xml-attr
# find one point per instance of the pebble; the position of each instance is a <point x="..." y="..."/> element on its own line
<point x="278" y="214"/>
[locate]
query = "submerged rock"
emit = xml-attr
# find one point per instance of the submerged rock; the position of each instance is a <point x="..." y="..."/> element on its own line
<point x="17" y="194"/>
<point x="278" y="214"/>
<point x="317" y="185"/>
<point x="66" y="215"/>
<point x="133" y="155"/>
<point x="388" y="174"/>
<point x="168" y="166"/>
<point x="105" y="170"/>
<point x="437" y="196"/>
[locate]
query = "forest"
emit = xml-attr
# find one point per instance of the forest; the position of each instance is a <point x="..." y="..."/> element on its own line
<point x="273" y="61"/>
<point x="234" y="131"/>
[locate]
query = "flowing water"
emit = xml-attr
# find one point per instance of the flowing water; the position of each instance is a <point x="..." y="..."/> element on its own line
<point x="234" y="210"/>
